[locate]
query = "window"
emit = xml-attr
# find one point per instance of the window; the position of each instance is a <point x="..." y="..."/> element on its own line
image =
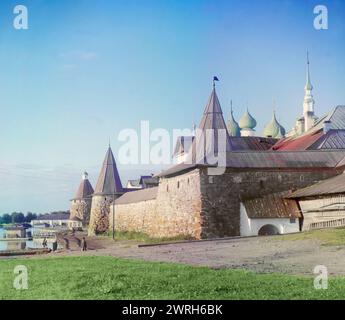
<point x="178" y="184"/>
<point x="292" y="220"/>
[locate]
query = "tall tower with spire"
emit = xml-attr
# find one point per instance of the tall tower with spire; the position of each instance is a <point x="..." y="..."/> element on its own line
<point x="107" y="190"/>
<point x="308" y="102"/>
<point x="81" y="203"/>
<point x="308" y="119"/>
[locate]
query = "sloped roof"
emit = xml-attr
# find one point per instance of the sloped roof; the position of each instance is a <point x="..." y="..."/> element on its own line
<point x="85" y="190"/>
<point x="251" y="143"/>
<point x="301" y="143"/>
<point x="183" y="144"/>
<point x="332" y="185"/>
<point x="211" y="123"/>
<point x="336" y="118"/>
<point x="272" y="206"/>
<point x="333" y="139"/>
<point x="271" y="160"/>
<point x="134" y="183"/>
<point x="149" y="181"/>
<point x="109" y="181"/>
<point x="138" y="196"/>
<point x="314" y="137"/>
<point x="144" y="181"/>
<point x="54" y="216"/>
<point x="287" y="159"/>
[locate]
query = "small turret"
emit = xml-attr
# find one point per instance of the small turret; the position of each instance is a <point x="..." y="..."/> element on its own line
<point x="81" y="203"/>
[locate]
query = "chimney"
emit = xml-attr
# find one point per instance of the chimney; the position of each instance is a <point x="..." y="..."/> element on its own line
<point x="326" y="126"/>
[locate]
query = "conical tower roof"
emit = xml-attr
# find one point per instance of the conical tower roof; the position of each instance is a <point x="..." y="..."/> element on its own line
<point x="109" y="181"/>
<point x="213" y="121"/>
<point x="213" y="114"/>
<point x="212" y="128"/>
<point x="85" y="189"/>
<point x="247" y="121"/>
<point x="274" y="129"/>
<point x="232" y="126"/>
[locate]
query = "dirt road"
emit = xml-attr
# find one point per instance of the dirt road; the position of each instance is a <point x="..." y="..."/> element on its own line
<point x="260" y="254"/>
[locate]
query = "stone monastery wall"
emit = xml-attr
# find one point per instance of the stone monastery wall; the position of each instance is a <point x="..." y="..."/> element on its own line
<point x="203" y="206"/>
<point x="174" y="212"/>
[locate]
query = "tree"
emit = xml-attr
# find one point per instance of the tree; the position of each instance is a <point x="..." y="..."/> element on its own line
<point x="18" y="217"/>
<point x="5" y="219"/>
<point x="30" y="216"/>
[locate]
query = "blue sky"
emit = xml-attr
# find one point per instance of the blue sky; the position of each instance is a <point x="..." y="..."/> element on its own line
<point x="87" y="69"/>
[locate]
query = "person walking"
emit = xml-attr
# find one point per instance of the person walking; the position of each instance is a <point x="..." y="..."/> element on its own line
<point x="83" y="244"/>
<point x="45" y="243"/>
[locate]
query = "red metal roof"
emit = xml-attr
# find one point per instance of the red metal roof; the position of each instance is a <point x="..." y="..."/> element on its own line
<point x="300" y="143"/>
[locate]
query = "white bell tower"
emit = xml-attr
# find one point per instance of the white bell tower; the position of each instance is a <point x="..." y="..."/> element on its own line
<point x="308" y="102"/>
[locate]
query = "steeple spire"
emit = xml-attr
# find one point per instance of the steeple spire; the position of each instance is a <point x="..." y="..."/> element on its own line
<point x="308" y="85"/>
<point x="308" y="102"/>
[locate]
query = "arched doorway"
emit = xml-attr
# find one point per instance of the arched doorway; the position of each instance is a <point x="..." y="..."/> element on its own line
<point x="268" y="230"/>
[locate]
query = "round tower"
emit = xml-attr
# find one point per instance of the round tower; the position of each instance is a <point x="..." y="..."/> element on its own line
<point x="107" y="190"/>
<point x="81" y="203"/>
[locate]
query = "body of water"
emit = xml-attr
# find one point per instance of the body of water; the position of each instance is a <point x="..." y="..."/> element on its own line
<point x="20" y="245"/>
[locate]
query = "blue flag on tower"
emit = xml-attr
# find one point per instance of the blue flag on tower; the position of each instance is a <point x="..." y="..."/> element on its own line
<point x="215" y="78"/>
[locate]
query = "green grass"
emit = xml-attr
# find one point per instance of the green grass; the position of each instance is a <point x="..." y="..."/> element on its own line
<point x="328" y="237"/>
<point x="144" y="238"/>
<point x="112" y="278"/>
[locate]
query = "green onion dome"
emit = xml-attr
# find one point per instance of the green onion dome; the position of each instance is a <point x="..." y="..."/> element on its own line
<point x="233" y="127"/>
<point x="247" y="121"/>
<point x="274" y="129"/>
